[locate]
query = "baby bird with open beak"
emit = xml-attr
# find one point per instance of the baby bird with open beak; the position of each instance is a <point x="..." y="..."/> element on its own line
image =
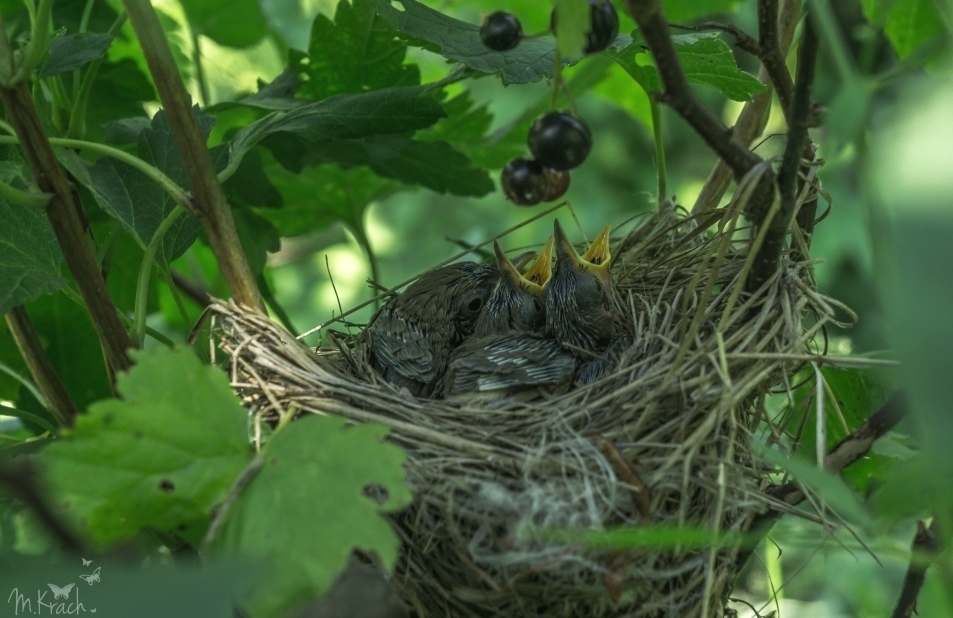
<point x="578" y="296"/>
<point x="507" y="355"/>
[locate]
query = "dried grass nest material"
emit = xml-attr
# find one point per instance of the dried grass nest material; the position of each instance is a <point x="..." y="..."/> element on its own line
<point x="665" y="439"/>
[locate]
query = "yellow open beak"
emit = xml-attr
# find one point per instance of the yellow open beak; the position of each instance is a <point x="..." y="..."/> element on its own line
<point x="595" y="260"/>
<point x="512" y="274"/>
<point x="542" y="270"/>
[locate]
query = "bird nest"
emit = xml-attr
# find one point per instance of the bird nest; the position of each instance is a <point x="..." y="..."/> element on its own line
<point x="505" y="493"/>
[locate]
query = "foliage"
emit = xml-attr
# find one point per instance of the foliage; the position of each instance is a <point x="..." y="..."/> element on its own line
<point x="379" y="106"/>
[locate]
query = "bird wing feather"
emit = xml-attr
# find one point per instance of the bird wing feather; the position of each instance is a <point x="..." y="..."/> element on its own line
<point x="509" y="362"/>
<point x="399" y="345"/>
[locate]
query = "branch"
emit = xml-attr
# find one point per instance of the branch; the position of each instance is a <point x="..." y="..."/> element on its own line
<point x="750" y="122"/>
<point x="677" y="93"/>
<point x="64" y="217"/>
<point x="58" y="401"/>
<point x="743" y="40"/>
<point x="213" y="210"/>
<point x="770" y="53"/>
<point x="769" y="255"/>
<point x="923" y="551"/>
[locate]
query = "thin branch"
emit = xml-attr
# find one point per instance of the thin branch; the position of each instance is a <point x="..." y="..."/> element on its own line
<point x="770" y="52"/>
<point x="213" y="210"/>
<point x="743" y="40"/>
<point x="677" y="93"/>
<point x="19" y="479"/>
<point x="852" y="448"/>
<point x="923" y="551"/>
<point x="64" y="217"/>
<point x="750" y="122"/>
<point x="58" y="401"/>
<point x="769" y="256"/>
<point x="223" y="510"/>
<point x="196" y="293"/>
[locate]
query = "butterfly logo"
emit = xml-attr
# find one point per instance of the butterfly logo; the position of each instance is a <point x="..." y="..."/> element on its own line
<point x="86" y="562"/>
<point x="61" y="593"/>
<point x="92" y="577"/>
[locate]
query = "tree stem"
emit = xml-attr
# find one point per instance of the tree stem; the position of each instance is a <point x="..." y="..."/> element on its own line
<point x="212" y="209"/>
<point x="659" y="150"/>
<point x="56" y="398"/>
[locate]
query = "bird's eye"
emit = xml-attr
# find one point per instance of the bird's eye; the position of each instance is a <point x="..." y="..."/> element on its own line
<point x="475" y="304"/>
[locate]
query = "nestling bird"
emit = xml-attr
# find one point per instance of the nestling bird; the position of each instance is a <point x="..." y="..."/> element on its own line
<point x="507" y="356"/>
<point x="412" y="336"/>
<point x="578" y="296"/>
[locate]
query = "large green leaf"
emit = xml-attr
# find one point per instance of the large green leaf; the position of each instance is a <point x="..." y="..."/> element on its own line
<point x="136" y="200"/>
<point x="351" y="116"/>
<point x="309" y="506"/>
<point x="356" y="53"/>
<point x="907" y="23"/>
<point x="73" y="51"/>
<point x="705" y="59"/>
<point x="162" y="456"/>
<point x="30" y="256"/>
<point x="234" y="23"/>
<point x="320" y="195"/>
<point x="457" y="40"/>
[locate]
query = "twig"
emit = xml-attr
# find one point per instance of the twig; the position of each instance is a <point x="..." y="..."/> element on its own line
<point x="677" y="93"/>
<point x="751" y="120"/>
<point x="923" y="551"/>
<point x="64" y="218"/>
<point x="221" y="513"/>
<point x="20" y="479"/>
<point x="628" y="475"/>
<point x="58" y="401"/>
<point x="853" y="447"/>
<point x="213" y="210"/>
<point x="768" y="257"/>
<point x="770" y="53"/>
<point x="196" y="293"/>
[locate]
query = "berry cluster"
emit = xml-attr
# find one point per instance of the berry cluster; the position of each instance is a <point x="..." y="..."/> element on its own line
<point x="558" y="140"/>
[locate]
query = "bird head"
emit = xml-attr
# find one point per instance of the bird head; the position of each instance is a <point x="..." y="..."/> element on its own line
<point x="517" y="300"/>
<point x="577" y="297"/>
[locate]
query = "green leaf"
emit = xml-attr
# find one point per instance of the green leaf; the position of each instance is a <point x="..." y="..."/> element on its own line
<point x="233" y="23"/>
<point x="162" y="456"/>
<point x="249" y="186"/>
<point x="136" y="200"/>
<point x="309" y="506"/>
<point x="705" y="59"/>
<point x="573" y="23"/>
<point x="828" y="487"/>
<point x="30" y="256"/>
<point x="358" y="52"/>
<point x="683" y="11"/>
<point x="531" y="61"/>
<point x="618" y="89"/>
<point x="321" y="195"/>
<point x="119" y="91"/>
<point x="907" y="23"/>
<point x="73" y="51"/>
<point x="258" y="237"/>
<point x="381" y="112"/>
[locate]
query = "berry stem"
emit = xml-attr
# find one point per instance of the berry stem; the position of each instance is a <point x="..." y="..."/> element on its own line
<point x="557" y="78"/>
<point x="659" y="150"/>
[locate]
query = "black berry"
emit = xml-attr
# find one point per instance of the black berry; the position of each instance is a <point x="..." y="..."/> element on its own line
<point x="525" y="181"/>
<point x="501" y="31"/>
<point x="558" y="184"/>
<point x="604" y="25"/>
<point x="560" y="140"/>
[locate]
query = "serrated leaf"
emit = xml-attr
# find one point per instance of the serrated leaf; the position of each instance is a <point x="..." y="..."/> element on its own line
<point x="73" y="51"/>
<point x="119" y="91"/>
<point x="308" y="508"/>
<point x="705" y="59"/>
<point x="233" y="23"/>
<point x="573" y="23"/>
<point x="162" y="456"/>
<point x="126" y="130"/>
<point x="351" y="116"/>
<point x="531" y="61"/>
<point x="30" y="256"/>
<point x="137" y="201"/>
<point x="321" y="195"/>
<point x="358" y="52"/>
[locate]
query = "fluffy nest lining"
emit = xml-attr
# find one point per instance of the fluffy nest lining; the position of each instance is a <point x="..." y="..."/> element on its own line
<point x="665" y="439"/>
